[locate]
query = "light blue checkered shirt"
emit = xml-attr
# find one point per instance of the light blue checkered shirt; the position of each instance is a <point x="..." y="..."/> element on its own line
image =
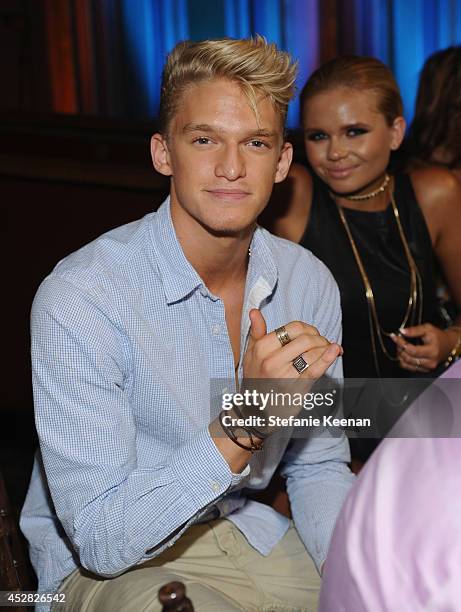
<point x="125" y="340"/>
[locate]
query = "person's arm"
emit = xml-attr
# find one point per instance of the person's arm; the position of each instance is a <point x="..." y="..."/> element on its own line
<point x="439" y="195"/>
<point x="318" y="478"/>
<point x="114" y="511"/>
<point x="291" y="201"/>
<point x="266" y="358"/>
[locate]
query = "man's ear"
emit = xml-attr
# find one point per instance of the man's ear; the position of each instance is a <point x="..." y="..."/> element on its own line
<point x="160" y="154"/>
<point x="397" y="132"/>
<point x="284" y="163"/>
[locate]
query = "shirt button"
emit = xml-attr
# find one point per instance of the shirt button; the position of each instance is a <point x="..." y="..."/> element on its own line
<point x="215" y="486"/>
<point x="216" y="329"/>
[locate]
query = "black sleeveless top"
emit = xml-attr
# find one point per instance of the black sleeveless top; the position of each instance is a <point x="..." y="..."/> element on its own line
<point x="380" y="247"/>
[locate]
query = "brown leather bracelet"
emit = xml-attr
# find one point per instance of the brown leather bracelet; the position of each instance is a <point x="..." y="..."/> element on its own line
<point x="251" y="430"/>
<point x="254" y="446"/>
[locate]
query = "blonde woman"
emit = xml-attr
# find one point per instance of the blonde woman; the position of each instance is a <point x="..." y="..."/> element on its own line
<point x="379" y="234"/>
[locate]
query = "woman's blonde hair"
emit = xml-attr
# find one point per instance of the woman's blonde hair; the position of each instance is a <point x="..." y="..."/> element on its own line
<point x="357" y="72"/>
<point x="259" y="67"/>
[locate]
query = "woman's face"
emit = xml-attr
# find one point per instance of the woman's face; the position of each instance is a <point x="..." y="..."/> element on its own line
<point x="348" y="141"/>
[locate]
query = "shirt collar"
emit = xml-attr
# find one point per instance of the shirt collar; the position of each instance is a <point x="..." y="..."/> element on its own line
<point x="180" y="278"/>
<point x="262" y="272"/>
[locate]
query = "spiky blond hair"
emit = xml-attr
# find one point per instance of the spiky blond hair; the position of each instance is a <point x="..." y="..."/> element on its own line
<point x="260" y="68"/>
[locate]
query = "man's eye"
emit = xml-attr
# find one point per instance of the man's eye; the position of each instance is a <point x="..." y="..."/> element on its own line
<point x="316" y="136"/>
<point x="202" y="140"/>
<point x="258" y="144"/>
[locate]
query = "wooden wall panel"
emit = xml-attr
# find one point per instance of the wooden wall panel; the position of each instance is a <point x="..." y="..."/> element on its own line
<point x="85" y="60"/>
<point x="61" y="54"/>
<point x="23" y="57"/>
<point x="328" y="29"/>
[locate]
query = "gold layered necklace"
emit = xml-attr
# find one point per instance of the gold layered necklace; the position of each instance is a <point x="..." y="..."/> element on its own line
<point x="371" y="194"/>
<point x="413" y="312"/>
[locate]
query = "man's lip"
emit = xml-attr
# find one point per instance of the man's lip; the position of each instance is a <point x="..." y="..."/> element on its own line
<point x="232" y="194"/>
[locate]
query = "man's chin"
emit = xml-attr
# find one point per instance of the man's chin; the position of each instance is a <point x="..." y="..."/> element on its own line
<point x="230" y="232"/>
<point x="230" y="229"/>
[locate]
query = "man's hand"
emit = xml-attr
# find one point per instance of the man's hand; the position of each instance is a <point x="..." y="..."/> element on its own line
<point x="268" y="371"/>
<point x="265" y="357"/>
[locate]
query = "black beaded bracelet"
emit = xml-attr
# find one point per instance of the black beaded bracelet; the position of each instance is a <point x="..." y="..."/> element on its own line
<point x="254" y="446"/>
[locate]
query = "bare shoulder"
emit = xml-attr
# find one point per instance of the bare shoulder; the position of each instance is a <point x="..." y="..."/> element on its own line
<point x="300" y="173"/>
<point x="438" y="192"/>
<point x="292" y="200"/>
<point x="435" y="187"/>
<point x="302" y="180"/>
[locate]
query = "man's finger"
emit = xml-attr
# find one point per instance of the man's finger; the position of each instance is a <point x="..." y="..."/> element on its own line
<point x="258" y="327"/>
<point x="323" y="362"/>
<point x="302" y="344"/>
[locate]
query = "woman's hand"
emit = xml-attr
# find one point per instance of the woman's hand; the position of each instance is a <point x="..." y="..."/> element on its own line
<point x="435" y="348"/>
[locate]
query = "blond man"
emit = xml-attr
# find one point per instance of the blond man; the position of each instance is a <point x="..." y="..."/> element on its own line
<point x="139" y="482"/>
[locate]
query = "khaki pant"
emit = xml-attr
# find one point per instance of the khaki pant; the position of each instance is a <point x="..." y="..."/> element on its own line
<point x="221" y="572"/>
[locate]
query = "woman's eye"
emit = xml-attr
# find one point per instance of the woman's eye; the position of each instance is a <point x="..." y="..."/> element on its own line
<point x="316" y="136"/>
<point x="356" y="132"/>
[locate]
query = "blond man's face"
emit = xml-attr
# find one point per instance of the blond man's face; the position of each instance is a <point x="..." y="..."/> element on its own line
<point x="222" y="160"/>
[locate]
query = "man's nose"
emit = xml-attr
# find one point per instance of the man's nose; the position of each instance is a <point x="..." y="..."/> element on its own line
<point x="231" y="163"/>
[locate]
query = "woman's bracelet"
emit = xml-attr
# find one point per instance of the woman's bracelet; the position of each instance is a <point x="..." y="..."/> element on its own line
<point x="456" y="350"/>
<point x="254" y="446"/>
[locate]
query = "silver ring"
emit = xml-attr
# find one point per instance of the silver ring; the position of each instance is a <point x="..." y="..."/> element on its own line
<point x="300" y="364"/>
<point x="282" y="335"/>
<point x="418" y="362"/>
